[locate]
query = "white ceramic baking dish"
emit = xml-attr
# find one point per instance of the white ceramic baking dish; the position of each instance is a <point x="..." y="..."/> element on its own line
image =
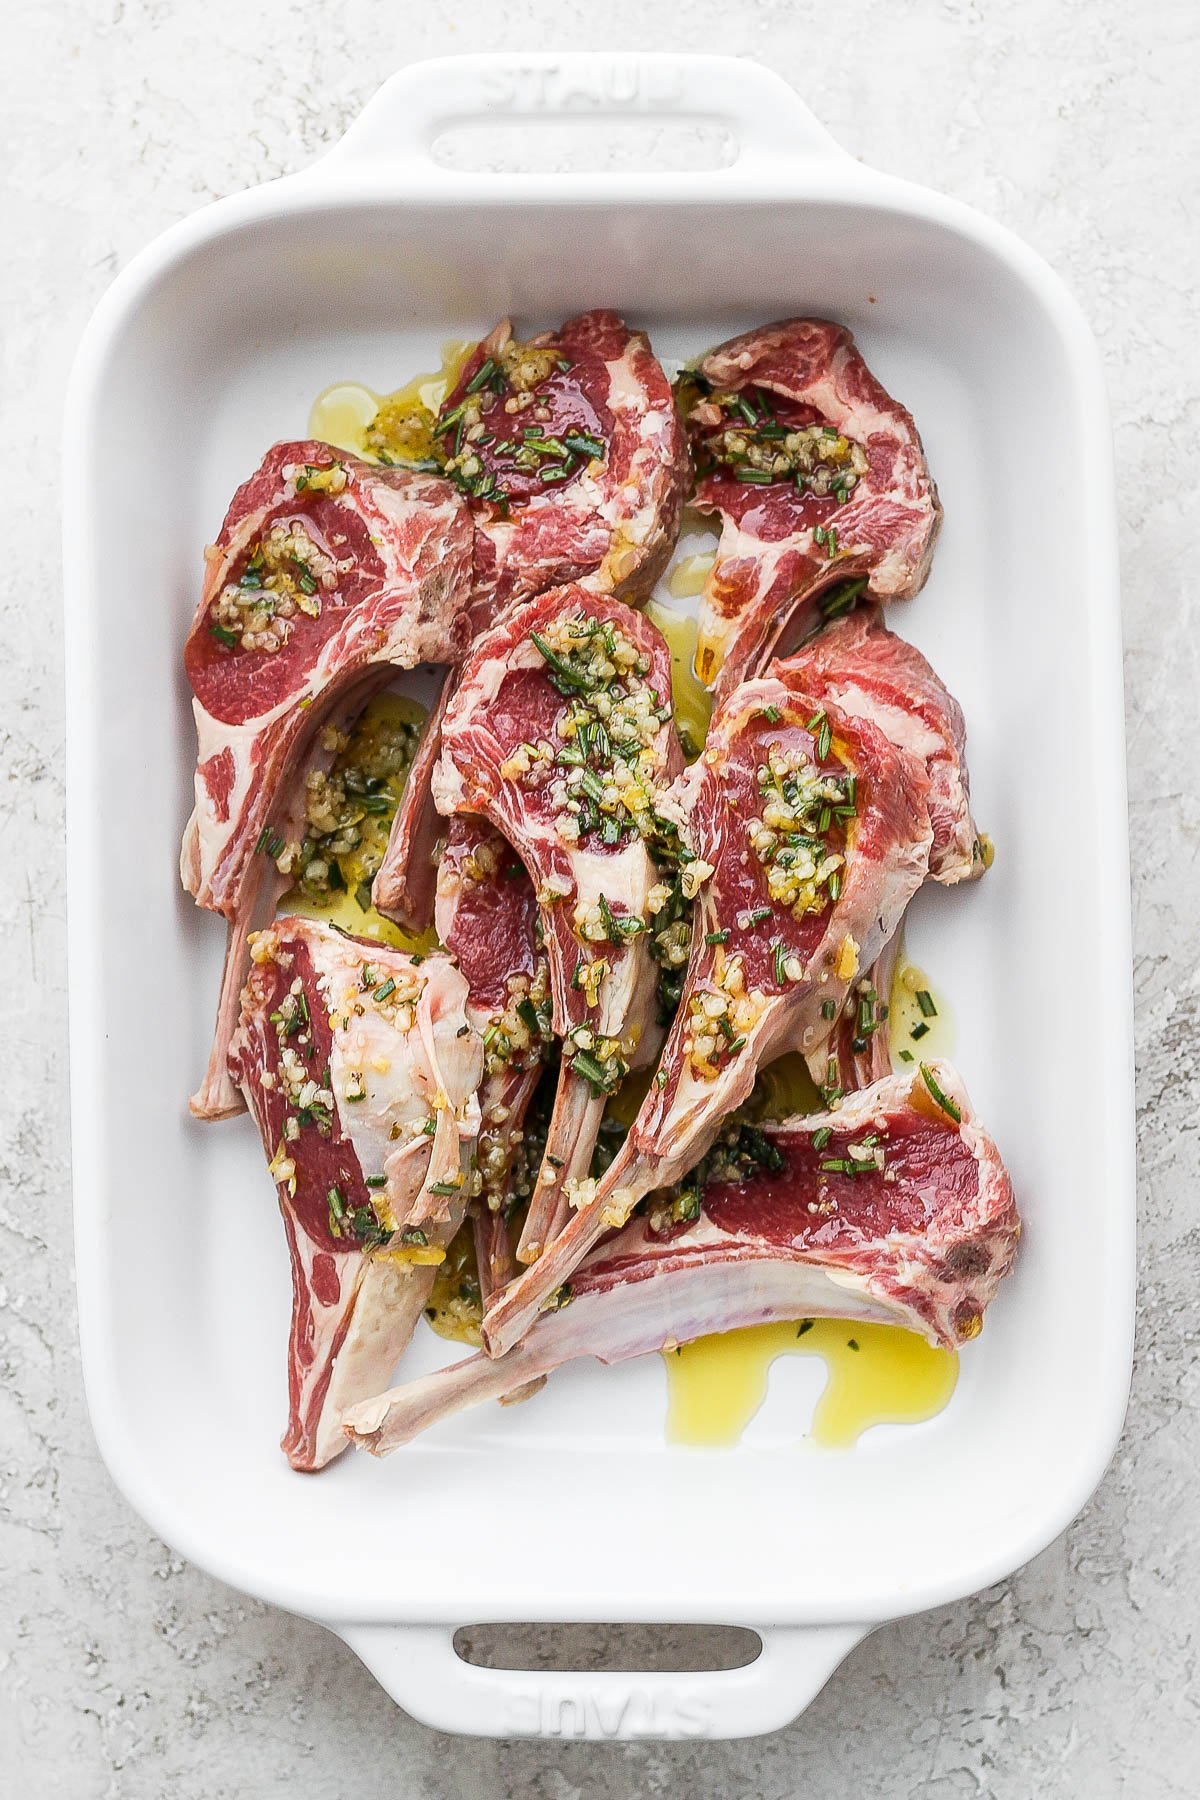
<point x="211" y="345"/>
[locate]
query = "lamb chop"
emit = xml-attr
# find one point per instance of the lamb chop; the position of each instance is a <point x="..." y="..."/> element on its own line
<point x="894" y="1209"/>
<point x="360" y="1067"/>
<point x="560" y="733"/>
<point x="328" y="573"/>
<point x="573" y="460"/>
<point x="869" y="672"/>
<point x="487" y="918"/>
<point x="570" y="449"/>
<point x="810" y="833"/>
<point x="816" y="474"/>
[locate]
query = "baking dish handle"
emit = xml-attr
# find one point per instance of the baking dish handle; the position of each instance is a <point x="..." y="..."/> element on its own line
<point x="401" y="123"/>
<point x="421" y="1670"/>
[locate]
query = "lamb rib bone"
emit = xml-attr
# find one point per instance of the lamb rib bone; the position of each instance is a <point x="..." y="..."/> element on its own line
<point x="327" y="573"/>
<point x="560" y="733"/>
<point x="611" y="517"/>
<point x="814" y="831"/>
<point x="920" y="1235"/>
<point x="816" y="474"/>
<point x="347" y="1054"/>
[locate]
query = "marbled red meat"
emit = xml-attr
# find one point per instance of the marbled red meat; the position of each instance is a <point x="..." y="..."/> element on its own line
<point x="613" y="515"/>
<point x="869" y="672"/>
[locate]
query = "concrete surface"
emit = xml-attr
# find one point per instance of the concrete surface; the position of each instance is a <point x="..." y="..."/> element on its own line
<point x="123" y="1672"/>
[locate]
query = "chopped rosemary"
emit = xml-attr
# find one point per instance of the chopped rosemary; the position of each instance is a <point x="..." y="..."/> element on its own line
<point x="948" y="1106"/>
<point x="482" y="376"/>
<point x="841" y="599"/>
<point x="583" y="443"/>
<point x="575" y="679"/>
<point x="601" y="1079"/>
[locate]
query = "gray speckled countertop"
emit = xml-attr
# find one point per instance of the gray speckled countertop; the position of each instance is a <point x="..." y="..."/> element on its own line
<point x="124" y="1672"/>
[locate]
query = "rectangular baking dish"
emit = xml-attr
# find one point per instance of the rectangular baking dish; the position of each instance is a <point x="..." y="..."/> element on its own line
<point x="206" y="349"/>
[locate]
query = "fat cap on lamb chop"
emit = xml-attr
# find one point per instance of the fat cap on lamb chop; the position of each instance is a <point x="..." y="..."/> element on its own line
<point x="816" y="474"/>
<point x="896" y="1208"/>
<point x="573" y="460"/>
<point x="328" y="573"/>
<point x="360" y="1067"/>
<point x="812" y="833"/>
<point x="560" y="733"/>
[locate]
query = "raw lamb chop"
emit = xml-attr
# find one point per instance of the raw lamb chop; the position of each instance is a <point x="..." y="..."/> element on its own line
<point x="869" y="672"/>
<point x="570" y="451"/>
<point x="560" y="733"/>
<point x="816" y="475"/>
<point x="327" y="573"/>
<point x="360" y="1067"/>
<point x="812" y="834"/>
<point x="894" y="1209"/>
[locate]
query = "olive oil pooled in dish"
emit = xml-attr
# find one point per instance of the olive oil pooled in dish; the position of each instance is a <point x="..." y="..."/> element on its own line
<point x="389" y="428"/>
<point x="691" y="701"/>
<point x="878" y="1375"/>
<point x="920" y="1021"/>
